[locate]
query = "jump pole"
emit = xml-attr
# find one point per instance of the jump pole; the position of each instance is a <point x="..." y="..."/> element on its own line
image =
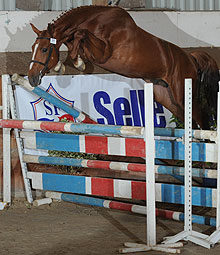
<point x="73" y="127"/>
<point x="119" y="166"/>
<point x="80" y="116"/>
<point x="105" y="129"/>
<point x="122" y="206"/>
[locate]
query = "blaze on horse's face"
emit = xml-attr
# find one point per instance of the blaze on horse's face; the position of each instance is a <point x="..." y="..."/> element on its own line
<point x="45" y="55"/>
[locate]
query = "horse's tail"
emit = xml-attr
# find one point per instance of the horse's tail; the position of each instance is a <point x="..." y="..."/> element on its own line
<point x="208" y="78"/>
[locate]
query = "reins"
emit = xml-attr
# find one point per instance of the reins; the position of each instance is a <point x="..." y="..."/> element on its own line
<point x="52" y="46"/>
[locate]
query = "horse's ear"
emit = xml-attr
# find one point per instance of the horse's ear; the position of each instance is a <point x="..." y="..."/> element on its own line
<point x="50" y="29"/>
<point x="37" y="31"/>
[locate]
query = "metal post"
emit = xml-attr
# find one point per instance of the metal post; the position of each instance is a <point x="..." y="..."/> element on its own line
<point x="192" y="5"/>
<point x="2" y="5"/>
<point x="218" y="169"/>
<point x="202" y="5"/>
<point x="80" y="3"/>
<point x="12" y="5"/>
<point x="211" y="5"/>
<point x="182" y="5"/>
<point x="6" y="143"/>
<point x="46" y="5"/>
<point x="68" y="4"/>
<point x="150" y="154"/>
<point x="188" y="157"/>
<point x="171" y="4"/>
<point x="154" y="3"/>
<point x="163" y="3"/>
<point x="218" y="5"/>
<point x="58" y="5"/>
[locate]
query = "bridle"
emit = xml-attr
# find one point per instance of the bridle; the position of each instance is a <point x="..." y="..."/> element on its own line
<point x="52" y="46"/>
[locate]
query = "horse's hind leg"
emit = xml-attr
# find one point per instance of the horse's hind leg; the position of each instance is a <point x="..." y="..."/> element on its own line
<point x="163" y="96"/>
<point x="200" y="115"/>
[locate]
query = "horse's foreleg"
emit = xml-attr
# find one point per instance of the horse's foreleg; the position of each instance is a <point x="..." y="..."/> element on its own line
<point x="60" y="67"/>
<point x="74" y="49"/>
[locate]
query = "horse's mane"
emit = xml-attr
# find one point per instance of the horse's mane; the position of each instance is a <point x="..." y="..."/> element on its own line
<point x="72" y="11"/>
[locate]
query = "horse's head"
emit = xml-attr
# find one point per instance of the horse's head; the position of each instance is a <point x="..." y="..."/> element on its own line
<point x="45" y="55"/>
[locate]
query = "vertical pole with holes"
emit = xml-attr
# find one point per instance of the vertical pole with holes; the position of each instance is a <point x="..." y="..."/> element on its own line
<point x="188" y="156"/>
<point x="150" y="154"/>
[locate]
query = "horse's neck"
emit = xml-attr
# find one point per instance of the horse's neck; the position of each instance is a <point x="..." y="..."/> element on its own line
<point x="64" y="26"/>
<point x="62" y="31"/>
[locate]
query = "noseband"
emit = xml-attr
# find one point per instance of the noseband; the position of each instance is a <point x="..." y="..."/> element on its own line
<point x="52" y="46"/>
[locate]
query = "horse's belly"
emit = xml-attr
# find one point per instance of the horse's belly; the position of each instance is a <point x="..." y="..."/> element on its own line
<point x="131" y="69"/>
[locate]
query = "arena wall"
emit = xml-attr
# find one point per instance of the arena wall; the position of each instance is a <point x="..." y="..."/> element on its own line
<point x="186" y="29"/>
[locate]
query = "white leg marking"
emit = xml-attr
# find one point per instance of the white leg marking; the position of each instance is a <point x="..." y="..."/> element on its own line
<point x="33" y="56"/>
<point x="58" y="66"/>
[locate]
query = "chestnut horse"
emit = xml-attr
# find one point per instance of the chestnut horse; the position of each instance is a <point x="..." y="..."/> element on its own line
<point x="108" y="37"/>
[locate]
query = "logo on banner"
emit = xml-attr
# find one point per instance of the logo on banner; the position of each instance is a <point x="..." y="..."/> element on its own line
<point x="44" y="110"/>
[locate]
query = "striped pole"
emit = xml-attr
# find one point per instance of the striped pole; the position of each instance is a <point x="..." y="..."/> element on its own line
<point x="160" y="133"/>
<point x="121" y="166"/>
<point x="73" y="127"/>
<point x="167" y="133"/>
<point x="86" y="163"/>
<point x="139" y="209"/>
<point x="80" y="116"/>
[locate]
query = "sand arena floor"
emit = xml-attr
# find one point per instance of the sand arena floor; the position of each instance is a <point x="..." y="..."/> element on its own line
<point x="66" y="228"/>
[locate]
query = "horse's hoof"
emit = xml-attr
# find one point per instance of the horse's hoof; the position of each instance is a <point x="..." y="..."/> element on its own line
<point x="79" y="64"/>
<point x="82" y="67"/>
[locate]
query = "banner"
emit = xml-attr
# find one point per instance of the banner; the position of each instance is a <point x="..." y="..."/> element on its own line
<point x="107" y="98"/>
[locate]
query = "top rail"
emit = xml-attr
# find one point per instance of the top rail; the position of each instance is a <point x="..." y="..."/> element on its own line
<point x="160" y="133"/>
<point x="72" y="127"/>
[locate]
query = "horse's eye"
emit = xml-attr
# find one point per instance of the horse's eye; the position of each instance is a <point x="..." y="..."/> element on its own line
<point x="44" y="50"/>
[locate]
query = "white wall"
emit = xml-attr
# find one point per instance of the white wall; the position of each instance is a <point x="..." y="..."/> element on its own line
<point x="186" y="29"/>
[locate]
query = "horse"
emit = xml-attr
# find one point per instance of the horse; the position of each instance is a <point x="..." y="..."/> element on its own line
<point x="109" y="38"/>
